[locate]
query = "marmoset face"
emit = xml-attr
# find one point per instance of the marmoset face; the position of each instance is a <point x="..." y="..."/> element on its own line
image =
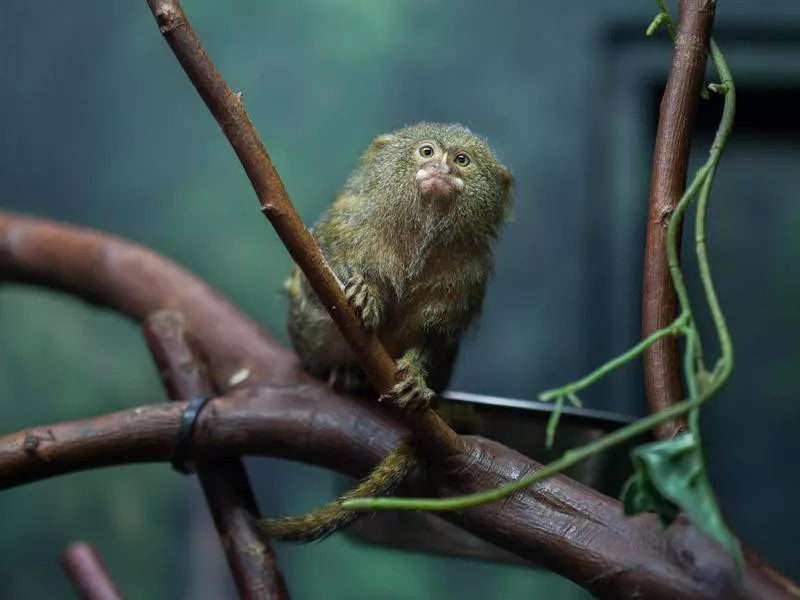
<point x="440" y="172"/>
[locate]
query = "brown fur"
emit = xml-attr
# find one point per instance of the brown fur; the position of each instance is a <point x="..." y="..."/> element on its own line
<point x="415" y="267"/>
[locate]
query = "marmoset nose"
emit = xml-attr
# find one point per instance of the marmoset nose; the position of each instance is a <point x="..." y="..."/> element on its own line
<point x="440" y="167"/>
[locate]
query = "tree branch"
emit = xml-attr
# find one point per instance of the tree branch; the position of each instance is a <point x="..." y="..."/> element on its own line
<point x="227" y="108"/>
<point x="560" y="524"/>
<point x="662" y="362"/>
<point x="224" y="481"/>
<point x="108" y="272"/>
<point x="88" y="574"/>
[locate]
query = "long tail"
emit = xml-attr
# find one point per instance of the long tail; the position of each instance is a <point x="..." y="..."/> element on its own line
<point x="383" y="480"/>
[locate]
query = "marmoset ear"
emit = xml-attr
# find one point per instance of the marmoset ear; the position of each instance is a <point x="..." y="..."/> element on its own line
<point x="380" y="142"/>
<point x="375" y="146"/>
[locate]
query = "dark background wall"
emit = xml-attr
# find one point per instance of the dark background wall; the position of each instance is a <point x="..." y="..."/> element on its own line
<point x="101" y="127"/>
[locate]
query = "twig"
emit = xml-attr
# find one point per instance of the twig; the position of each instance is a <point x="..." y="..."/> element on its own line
<point x="228" y="110"/>
<point x="576" y="386"/>
<point x="225" y="483"/>
<point x="662" y="361"/>
<point x="88" y="574"/>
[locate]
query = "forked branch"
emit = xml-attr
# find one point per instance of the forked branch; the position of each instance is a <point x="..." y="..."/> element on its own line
<point x="559" y="524"/>
<point x="224" y="481"/>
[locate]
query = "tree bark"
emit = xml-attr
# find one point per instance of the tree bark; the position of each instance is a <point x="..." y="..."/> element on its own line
<point x="662" y="361"/>
<point x="88" y="574"/>
<point x="224" y="481"/>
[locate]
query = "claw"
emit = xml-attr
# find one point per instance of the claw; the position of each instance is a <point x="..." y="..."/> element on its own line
<point x="363" y="300"/>
<point x="411" y="392"/>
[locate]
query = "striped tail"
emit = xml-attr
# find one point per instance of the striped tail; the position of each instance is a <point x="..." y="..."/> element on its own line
<point x="383" y="480"/>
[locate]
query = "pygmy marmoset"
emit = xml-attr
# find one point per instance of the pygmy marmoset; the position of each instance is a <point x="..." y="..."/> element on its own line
<point x="411" y="237"/>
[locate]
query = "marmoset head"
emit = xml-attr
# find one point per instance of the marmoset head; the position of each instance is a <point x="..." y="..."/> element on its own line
<point x="443" y="166"/>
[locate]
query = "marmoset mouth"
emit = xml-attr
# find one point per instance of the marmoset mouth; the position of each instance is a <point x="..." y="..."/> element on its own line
<point x="438" y="186"/>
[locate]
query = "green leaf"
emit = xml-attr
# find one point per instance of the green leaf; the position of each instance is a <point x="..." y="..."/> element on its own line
<point x="640" y="495"/>
<point x="670" y="477"/>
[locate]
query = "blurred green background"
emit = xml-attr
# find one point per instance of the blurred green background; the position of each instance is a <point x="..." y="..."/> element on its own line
<point x="101" y="127"/>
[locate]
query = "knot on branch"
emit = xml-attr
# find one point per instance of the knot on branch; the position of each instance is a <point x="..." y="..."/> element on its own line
<point x="664" y="216"/>
<point x="169" y="18"/>
<point x="30" y="444"/>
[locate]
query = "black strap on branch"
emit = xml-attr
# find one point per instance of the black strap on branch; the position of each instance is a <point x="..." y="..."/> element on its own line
<point x="184" y="439"/>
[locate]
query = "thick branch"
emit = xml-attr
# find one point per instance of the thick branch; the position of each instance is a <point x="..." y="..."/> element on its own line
<point x="110" y="272"/>
<point x="662" y="362"/>
<point x="88" y="574"/>
<point x="559" y="524"/>
<point x="228" y="109"/>
<point x="225" y="484"/>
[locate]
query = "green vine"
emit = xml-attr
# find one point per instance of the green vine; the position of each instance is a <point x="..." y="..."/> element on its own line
<point x="670" y="474"/>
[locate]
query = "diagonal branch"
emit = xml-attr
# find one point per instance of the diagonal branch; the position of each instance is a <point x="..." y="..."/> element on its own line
<point x="88" y="574"/>
<point x="224" y="481"/>
<point x="227" y="108"/>
<point x="662" y="361"/>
